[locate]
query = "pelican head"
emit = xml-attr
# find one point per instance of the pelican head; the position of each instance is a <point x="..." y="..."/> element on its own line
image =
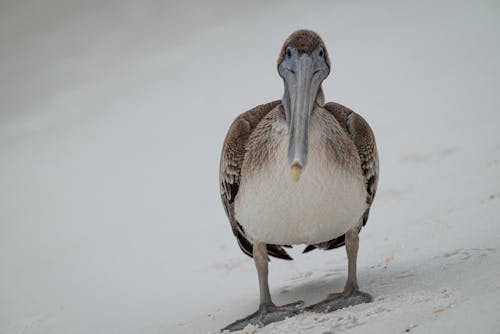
<point x="303" y="64"/>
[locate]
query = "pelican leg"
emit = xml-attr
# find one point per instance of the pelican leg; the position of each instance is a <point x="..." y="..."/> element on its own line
<point x="351" y="295"/>
<point x="267" y="312"/>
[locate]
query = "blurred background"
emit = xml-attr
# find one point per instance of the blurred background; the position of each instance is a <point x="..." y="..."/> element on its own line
<point x="112" y="118"/>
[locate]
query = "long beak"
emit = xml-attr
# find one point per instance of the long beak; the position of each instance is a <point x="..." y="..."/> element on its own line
<point x="302" y="95"/>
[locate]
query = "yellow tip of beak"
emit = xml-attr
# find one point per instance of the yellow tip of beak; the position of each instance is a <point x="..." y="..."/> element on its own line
<point x="296" y="171"/>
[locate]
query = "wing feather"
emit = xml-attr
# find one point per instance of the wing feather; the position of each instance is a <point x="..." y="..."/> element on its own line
<point x="233" y="153"/>
<point x="362" y="135"/>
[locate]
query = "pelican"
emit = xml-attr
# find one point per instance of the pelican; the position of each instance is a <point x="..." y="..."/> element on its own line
<point x="299" y="171"/>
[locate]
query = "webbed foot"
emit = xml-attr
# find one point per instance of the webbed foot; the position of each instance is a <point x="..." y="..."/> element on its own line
<point x="265" y="315"/>
<point x="336" y="301"/>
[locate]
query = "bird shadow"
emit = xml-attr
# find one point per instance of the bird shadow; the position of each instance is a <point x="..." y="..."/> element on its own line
<point x="384" y="280"/>
<point x="427" y="278"/>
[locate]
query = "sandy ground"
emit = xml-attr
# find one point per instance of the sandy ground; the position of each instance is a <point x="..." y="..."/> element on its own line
<point x="112" y="117"/>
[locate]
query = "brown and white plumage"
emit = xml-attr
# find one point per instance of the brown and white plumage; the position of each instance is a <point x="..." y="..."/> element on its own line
<point x="361" y="134"/>
<point x="299" y="171"/>
<point x="233" y="155"/>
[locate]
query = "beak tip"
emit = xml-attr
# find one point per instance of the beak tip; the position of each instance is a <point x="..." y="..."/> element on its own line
<point x="296" y="171"/>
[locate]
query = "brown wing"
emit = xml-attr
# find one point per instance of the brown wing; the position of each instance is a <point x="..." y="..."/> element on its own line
<point x="364" y="140"/>
<point x="233" y="153"/>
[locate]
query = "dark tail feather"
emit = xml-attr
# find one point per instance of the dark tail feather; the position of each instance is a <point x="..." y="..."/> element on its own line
<point x="309" y="248"/>
<point x="245" y="245"/>
<point x="278" y="251"/>
<point x="337" y="242"/>
<point x="334" y="243"/>
<point x="273" y="250"/>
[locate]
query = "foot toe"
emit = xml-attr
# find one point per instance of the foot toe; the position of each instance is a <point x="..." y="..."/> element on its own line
<point x="295" y="306"/>
<point x="336" y="301"/>
<point x="267" y="315"/>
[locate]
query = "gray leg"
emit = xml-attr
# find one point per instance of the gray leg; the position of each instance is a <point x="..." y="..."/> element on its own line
<point x="352" y="247"/>
<point x="267" y="312"/>
<point x="261" y="264"/>
<point x="351" y="294"/>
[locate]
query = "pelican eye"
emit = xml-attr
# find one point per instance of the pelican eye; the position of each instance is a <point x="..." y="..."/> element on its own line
<point x="321" y="52"/>
<point x="288" y="53"/>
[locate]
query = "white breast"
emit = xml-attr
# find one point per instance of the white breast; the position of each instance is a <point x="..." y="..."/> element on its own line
<point x="327" y="201"/>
